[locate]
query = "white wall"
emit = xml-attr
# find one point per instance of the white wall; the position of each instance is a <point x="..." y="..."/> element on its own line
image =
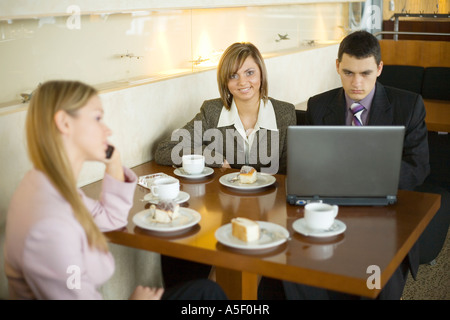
<point x="140" y="116"/>
<point x="56" y="7"/>
<point x="93" y="48"/>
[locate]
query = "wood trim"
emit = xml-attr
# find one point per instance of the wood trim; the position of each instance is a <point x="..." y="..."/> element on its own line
<point x="438" y="115"/>
<point x="243" y="285"/>
<point x="415" y="53"/>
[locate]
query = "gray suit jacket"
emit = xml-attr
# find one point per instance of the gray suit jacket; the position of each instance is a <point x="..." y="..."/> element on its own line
<point x="201" y="135"/>
<point x="390" y="106"/>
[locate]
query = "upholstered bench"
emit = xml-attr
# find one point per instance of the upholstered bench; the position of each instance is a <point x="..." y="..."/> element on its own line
<point x="433" y="83"/>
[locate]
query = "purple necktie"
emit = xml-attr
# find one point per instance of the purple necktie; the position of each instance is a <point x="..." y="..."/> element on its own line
<point x="357" y="110"/>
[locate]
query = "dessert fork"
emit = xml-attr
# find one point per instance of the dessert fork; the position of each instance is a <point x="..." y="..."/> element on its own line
<point x="274" y="235"/>
<point x="236" y="178"/>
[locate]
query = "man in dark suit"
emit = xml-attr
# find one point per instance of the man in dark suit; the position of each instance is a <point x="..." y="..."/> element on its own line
<point x="359" y="64"/>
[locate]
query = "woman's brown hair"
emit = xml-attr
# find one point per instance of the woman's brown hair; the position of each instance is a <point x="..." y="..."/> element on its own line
<point x="230" y="62"/>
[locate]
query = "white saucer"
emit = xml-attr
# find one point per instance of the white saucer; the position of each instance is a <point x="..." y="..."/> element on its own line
<point x="300" y="226"/>
<point x="181" y="173"/>
<point x="182" y="197"/>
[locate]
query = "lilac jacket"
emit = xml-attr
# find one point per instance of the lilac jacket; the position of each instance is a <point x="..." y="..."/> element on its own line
<point x="47" y="255"/>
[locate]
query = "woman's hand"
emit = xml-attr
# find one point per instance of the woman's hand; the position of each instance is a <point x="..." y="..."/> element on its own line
<point x="114" y="166"/>
<point x="147" y="293"/>
<point x="226" y="164"/>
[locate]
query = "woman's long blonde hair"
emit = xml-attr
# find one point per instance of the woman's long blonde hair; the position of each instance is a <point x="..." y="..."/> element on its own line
<point x="230" y="62"/>
<point x="46" y="150"/>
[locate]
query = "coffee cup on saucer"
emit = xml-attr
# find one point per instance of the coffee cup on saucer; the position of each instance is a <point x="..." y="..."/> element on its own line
<point x="193" y="163"/>
<point x="166" y="188"/>
<point x="320" y="216"/>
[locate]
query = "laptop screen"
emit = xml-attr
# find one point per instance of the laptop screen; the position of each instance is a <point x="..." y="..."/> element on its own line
<point x="344" y="164"/>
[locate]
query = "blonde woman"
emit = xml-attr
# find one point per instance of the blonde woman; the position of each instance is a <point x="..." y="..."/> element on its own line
<point x="243" y="126"/>
<point x="55" y="248"/>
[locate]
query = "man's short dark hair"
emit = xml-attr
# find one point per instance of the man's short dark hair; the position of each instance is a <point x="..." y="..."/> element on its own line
<point x="360" y="44"/>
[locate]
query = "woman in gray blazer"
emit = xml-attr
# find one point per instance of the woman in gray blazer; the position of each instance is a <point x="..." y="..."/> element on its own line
<point x="242" y="127"/>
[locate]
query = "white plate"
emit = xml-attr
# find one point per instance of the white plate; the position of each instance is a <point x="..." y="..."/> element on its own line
<point x="181" y="173"/>
<point x="274" y="236"/>
<point x="337" y="228"/>
<point x="182" y="197"/>
<point x="262" y="180"/>
<point x="186" y="219"/>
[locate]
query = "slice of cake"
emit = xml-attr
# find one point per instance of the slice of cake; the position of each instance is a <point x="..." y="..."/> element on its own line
<point x="245" y="229"/>
<point x="164" y="211"/>
<point x="247" y="175"/>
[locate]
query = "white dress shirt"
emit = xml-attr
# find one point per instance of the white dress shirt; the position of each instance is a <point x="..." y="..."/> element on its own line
<point x="266" y="119"/>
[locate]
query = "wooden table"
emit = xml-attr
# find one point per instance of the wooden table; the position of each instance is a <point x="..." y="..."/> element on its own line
<point x="380" y="236"/>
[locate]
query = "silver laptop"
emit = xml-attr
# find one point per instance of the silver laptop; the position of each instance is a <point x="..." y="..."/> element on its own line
<point x="344" y="165"/>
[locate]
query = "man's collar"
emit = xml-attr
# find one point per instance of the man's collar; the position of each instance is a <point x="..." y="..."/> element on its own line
<point x="366" y="102"/>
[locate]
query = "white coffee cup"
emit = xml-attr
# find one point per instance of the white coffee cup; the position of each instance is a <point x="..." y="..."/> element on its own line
<point x="320" y="216"/>
<point x="165" y="188"/>
<point x="193" y="163"/>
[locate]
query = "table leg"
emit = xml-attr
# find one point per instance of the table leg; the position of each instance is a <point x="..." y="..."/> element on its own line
<point x="238" y="285"/>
